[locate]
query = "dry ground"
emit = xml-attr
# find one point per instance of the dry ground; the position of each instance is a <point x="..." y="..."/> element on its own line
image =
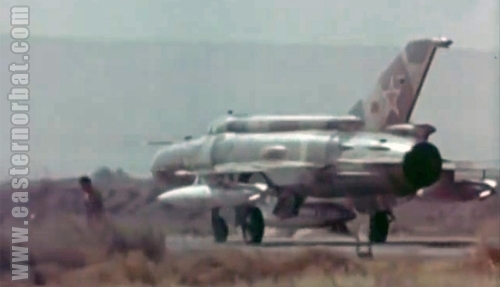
<point x="66" y="253"/>
<point x="131" y="251"/>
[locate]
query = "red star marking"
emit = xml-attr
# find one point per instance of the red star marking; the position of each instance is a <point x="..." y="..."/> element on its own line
<point x="392" y="95"/>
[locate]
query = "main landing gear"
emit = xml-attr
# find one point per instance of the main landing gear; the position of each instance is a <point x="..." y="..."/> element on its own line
<point x="378" y="231"/>
<point x="379" y="226"/>
<point x="252" y="225"/>
<point x="219" y="227"/>
<point x="248" y="217"/>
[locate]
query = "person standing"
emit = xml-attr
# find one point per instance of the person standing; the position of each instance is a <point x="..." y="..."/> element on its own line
<point x="94" y="204"/>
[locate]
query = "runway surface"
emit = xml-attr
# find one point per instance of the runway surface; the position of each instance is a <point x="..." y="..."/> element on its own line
<point x="419" y="247"/>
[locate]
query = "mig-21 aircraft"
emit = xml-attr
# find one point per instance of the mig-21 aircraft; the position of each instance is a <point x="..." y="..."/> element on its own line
<point x="373" y="153"/>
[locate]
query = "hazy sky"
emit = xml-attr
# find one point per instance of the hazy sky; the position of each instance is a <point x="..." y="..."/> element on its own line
<point x="471" y="23"/>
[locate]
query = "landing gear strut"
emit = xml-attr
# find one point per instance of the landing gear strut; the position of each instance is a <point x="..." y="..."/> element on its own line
<point x="253" y="226"/>
<point x="219" y="227"/>
<point x="379" y="229"/>
<point x="379" y="226"/>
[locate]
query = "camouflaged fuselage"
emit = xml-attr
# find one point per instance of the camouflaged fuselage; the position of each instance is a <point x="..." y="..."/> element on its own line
<point x="331" y="159"/>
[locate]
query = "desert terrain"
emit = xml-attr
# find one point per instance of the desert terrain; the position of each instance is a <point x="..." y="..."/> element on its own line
<point x="431" y="244"/>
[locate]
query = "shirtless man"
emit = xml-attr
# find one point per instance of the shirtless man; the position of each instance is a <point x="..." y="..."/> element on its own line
<point x="94" y="204"/>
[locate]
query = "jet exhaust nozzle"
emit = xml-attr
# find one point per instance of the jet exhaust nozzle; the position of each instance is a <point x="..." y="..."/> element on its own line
<point x="422" y="165"/>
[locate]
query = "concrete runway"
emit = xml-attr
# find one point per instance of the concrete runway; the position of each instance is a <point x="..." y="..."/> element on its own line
<point x="419" y="247"/>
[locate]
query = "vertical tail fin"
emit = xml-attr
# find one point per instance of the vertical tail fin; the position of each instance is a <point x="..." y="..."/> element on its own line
<point x="399" y="85"/>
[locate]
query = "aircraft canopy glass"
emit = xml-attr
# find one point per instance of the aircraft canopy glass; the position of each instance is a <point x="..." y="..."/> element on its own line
<point x="218" y="126"/>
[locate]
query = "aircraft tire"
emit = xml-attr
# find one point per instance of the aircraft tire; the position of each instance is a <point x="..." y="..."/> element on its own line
<point x="379" y="227"/>
<point x="253" y="226"/>
<point x="219" y="228"/>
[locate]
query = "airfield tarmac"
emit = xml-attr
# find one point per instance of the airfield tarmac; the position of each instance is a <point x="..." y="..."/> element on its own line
<point x="402" y="246"/>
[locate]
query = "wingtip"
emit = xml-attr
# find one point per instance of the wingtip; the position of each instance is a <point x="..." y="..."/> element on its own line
<point x="442" y="42"/>
<point x="491" y="183"/>
<point x="486" y="193"/>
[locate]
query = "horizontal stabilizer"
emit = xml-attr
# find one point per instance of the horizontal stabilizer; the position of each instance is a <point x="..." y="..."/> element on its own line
<point x="486" y="168"/>
<point x="459" y="191"/>
<point x="477" y="165"/>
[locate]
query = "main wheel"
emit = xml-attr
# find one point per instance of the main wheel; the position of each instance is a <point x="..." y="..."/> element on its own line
<point x="379" y="227"/>
<point x="253" y="226"/>
<point x="221" y="230"/>
<point x="219" y="227"/>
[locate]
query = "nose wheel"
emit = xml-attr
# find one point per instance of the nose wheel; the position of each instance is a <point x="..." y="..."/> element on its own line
<point x="219" y="227"/>
<point x="253" y="226"/>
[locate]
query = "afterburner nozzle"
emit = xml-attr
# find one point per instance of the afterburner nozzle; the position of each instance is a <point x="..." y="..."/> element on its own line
<point x="422" y="165"/>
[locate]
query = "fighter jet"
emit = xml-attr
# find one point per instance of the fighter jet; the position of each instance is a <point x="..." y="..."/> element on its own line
<point x="383" y="159"/>
<point x="388" y="106"/>
<point x="298" y="165"/>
